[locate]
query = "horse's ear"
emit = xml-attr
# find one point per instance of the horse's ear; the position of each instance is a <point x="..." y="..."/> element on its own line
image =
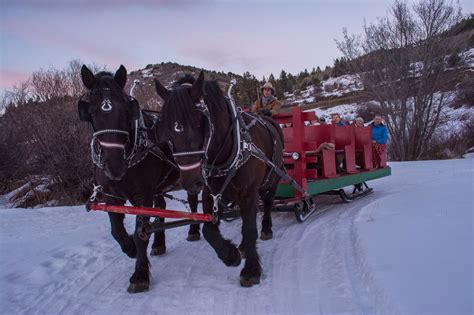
<point x="161" y="90"/>
<point x="198" y="88"/>
<point x="121" y="76"/>
<point x="87" y="77"/>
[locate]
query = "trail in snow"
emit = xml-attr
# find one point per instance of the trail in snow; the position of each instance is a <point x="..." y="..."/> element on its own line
<point x="64" y="260"/>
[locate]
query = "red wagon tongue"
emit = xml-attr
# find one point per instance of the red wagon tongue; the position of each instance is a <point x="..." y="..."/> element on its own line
<point x="154" y="212"/>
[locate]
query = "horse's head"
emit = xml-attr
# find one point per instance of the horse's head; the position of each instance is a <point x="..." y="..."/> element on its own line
<point x="110" y="111"/>
<point x="185" y="124"/>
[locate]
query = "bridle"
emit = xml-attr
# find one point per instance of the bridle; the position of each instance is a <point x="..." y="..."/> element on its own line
<point x="98" y="145"/>
<point x="202" y="108"/>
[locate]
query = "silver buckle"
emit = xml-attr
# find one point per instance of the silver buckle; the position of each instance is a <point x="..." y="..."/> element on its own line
<point x="246" y="146"/>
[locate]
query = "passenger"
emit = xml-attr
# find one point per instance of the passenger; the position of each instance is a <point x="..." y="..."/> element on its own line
<point x="267" y="104"/>
<point x="359" y="122"/>
<point x="322" y="121"/>
<point x="336" y="120"/>
<point x="314" y="122"/>
<point x="379" y="140"/>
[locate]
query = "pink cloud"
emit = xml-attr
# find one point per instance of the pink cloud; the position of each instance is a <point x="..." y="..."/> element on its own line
<point x="82" y="46"/>
<point x="10" y="77"/>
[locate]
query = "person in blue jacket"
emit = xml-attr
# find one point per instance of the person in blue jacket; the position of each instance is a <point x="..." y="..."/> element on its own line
<point x="379" y="140"/>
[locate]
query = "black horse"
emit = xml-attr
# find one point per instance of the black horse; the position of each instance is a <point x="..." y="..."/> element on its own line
<point x="229" y="153"/>
<point x="130" y="163"/>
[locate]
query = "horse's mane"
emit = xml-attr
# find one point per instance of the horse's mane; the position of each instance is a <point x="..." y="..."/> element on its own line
<point x="105" y="79"/>
<point x="180" y="106"/>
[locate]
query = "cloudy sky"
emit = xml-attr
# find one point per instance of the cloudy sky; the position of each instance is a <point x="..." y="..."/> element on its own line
<point x="262" y="37"/>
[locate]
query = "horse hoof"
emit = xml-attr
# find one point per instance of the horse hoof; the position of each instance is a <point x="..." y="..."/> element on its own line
<point x="248" y="282"/>
<point x="138" y="287"/>
<point x="193" y="237"/>
<point x="233" y="258"/>
<point x="157" y="251"/>
<point x="265" y="236"/>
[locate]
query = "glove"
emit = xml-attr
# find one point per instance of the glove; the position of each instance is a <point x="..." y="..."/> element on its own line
<point x="265" y="112"/>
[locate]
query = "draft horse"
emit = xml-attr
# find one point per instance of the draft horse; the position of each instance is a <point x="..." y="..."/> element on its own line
<point x="130" y="163"/>
<point x="231" y="154"/>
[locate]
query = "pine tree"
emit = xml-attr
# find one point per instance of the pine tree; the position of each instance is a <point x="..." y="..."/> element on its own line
<point x="284" y="82"/>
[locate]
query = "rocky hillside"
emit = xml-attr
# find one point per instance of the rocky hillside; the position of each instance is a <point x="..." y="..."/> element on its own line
<point x="167" y="73"/>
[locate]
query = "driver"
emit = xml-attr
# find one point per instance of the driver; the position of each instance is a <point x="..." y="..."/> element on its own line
<point x="267" y="104"/>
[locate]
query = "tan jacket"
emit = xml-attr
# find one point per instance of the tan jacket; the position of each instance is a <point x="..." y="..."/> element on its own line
<point x="274" y="106"/>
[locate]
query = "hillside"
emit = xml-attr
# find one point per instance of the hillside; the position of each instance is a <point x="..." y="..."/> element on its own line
<point x="167" y="73"/>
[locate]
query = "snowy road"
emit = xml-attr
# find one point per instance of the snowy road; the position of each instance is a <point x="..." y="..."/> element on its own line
<point x="64" y="261"/>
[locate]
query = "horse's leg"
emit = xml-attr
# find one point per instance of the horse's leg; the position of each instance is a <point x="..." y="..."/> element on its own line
<point x="225" y="250"/>
<point x="252" y="270"/>
<point x="118" y="230"/>
<point x="140" y="280"/>
<point x="193" y="234"/>
<point x="268" y="197"/>
<point x="159" y="243"/>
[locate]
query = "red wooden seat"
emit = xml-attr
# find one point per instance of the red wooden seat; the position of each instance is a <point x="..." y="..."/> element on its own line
<point x="363" y="145"/>
<point x="316" y="135"/>
<point x="304" y="141"/>
<point x="345" y="144"/>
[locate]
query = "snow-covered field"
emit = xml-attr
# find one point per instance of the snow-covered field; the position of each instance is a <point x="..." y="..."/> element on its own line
<point x="407" y="248"/>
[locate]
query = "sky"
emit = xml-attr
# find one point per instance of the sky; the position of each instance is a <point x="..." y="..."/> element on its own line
<point x="261" y="37"/>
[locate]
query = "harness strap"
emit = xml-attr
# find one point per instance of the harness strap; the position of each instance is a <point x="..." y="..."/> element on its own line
<point x="256" y="152"/>
<point x="229" y="133"/>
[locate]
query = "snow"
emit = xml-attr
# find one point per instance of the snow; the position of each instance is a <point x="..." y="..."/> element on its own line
<point x="468" y="57"/>
<point x="407" y="248"/>
<point x="338" y="86"/>
<point x="147" y="73"/>
<point x="348" y="112"/>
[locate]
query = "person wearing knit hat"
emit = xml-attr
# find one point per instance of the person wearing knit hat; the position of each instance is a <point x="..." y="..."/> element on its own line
<point x="359" y="122"/>
<point x="267" y="104"/>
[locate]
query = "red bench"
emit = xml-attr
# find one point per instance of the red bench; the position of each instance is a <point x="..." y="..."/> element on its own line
<point x="304" y="166"/>
<point x="315" y="136"/>
<point x="345" y="145"/>
<point x="363" y="145"/>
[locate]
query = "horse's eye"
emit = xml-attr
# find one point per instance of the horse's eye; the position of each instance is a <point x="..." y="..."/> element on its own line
<point x="178" y="127"/>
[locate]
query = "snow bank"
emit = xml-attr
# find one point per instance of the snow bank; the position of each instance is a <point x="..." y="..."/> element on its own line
<point x="418" y="238"/>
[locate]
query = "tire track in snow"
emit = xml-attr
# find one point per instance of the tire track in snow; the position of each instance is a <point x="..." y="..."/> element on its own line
<point x="86" y="263"/>
<point x="324" y="260"/>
